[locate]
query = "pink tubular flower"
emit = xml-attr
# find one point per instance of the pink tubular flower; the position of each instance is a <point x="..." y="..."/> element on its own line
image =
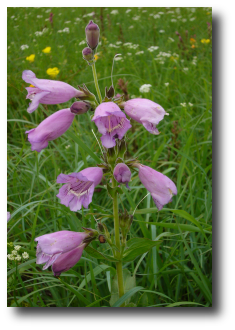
<point x="50" y="129"/>
<point x="61" y="249"/>
<point x="47" y="91"/>
<point x="111" y="122"/>
<point x="79" y="187"/>
<point x="145" y="112"/>
<point x="160" y="186"/>
<point x="122" y="174"/>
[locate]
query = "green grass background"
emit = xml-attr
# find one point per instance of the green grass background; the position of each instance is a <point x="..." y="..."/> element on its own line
<point x="176" y="273"/>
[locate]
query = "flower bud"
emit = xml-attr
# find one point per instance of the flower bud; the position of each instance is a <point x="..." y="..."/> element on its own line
<point x="122" y="173"/>
<point x="80" y="107"/>
<point x="92" y="35"/>
<point x="87" y="54"/>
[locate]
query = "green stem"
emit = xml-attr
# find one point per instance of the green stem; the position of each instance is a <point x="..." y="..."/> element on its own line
<point x="96" y="82"/>
<point x="117" y="242"/>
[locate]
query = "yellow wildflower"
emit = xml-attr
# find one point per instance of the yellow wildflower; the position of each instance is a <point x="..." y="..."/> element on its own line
<point x="193" y="46"/>
<point x="47" y="50"/>
<point x="96" y="57"/>
<point x="30" y="58"/>
<point x="205" y="41"/>
<point x="53" y="72"/>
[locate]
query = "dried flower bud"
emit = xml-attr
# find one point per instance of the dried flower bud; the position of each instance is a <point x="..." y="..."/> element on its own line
<point x="87" y="54"/>
<point x="92" y="35"/>
<point x="79" y="107"/>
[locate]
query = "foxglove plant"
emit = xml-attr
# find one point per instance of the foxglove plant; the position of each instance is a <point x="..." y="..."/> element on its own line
<point x="63" y="249"/>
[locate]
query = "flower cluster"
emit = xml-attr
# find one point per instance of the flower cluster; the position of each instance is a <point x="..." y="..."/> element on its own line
<point x="15" y="256"/>
<point x="113" y="117"/>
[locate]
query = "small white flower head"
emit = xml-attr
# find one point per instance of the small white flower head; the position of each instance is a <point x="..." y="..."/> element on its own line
<point x="67" y="147"/>
<point x="131" y="27"/>
<point x="166" y="84"/>
<point x="11" y="257"/>
<point x="145" y="88"/>
<point x="136" y="18"/>
<point x="17" y="247"/>
<point x="25" y="255"/>
<point x="114" y="12"/>
<point x="156" y="16"/>
<point x="23" y="47"/>
<point x="140" y="52"/>
<point x="192" y="19"/>
<point x="184" y="20"/>
<point x="14" y="252"/>
<point x="183" y="104"/>
<point x="18" y="258"/>
<point x="162" y="31"/>
<point x="152" y="48"/>
<point x="171" y="39"/>
<point x="190" y="104"/>
<point x="82" y="42"/>
<point x="129" y="54"/>
<point x="173" y="20"/>
<point x="185" y="69"/>
<point x="128" y="10"/>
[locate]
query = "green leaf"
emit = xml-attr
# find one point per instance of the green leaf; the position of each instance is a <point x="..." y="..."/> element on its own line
<point x="129" y="283"/>
<point x="127" y="295"/>
<point x="138" y="246"/>
<point x="98" y="255"/>
<point x="83" y="146"/>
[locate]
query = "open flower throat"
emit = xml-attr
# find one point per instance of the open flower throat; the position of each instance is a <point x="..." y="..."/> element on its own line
<point x="79" y="188"/>
<point x="112" y="122"/>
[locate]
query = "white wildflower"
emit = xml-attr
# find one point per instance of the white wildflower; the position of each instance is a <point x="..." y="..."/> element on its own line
<point x="128" y="10"/>
<point x="38" y="33"/>
<point x="91" y="14"/>
<point x="192" y="19"/>
<point x="166" y="84"/>
<point x="11" y="257"/>
<point x="170" y="12"/>
<point x="190" y="104"/>
<point x="14" y="252"/>
<point x="47" y="11"/>
<point x="131" y="27"/>
<point x="17" y="247"/>
<point x="23" y="47"/>
<point x="193" y="10"/>
<point x="145" y="88"/>
<point x="140" y="52"/>
<point x="82" y="42"/>
<point x="183" y="104"/>
<point x="171" y="39"/>
<point x="66" y="30"/>
<point x="129" y="54"/>
<point x="173" y="20"/>
<point x="156" y="16"/>
<point x="25" y="255"/>
<point x="12" y="16"/>
<point x="77" y="19"/>
<point x="113" y="46"/>
<point x="118" y="42"/>
<point x="161" y="31"/>
<point x="152" y="48"/>
<point x="114" y="12"/>
<point x="39" y="16"/>
<point x="160" y="13"/>
<point x="184" y="20"/>
<point x="136" y="18"/>
<point x="177" y="10"/>
<point x="67" y="22"/>
<point x="18" y="258"/>
<point x="185" y="69"/>
<point x="118" y="58"/>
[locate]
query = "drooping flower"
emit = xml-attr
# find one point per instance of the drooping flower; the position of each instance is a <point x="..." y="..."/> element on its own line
<point x="46" y="50"/>
<point x="79" y="187"/>
<point x="80" y="107"/>
<point x="8" y="216"/>
<point x="47" y="91"/>
<point x="145" y="112"/>
<point x="60" y="249"/>
<point x="50" y="129"/>
<point x="111" y="122"/>
<point x="122" y="174"/>
<point x="92" y="35"/>
<point x="30" y="58"/>
<point x="53" y="72"/>
<point x="159" y="185"/>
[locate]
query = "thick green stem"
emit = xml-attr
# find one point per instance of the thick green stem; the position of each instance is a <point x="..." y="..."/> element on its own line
<point x="117" y="242"/>
<point x="96" y="82"/>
